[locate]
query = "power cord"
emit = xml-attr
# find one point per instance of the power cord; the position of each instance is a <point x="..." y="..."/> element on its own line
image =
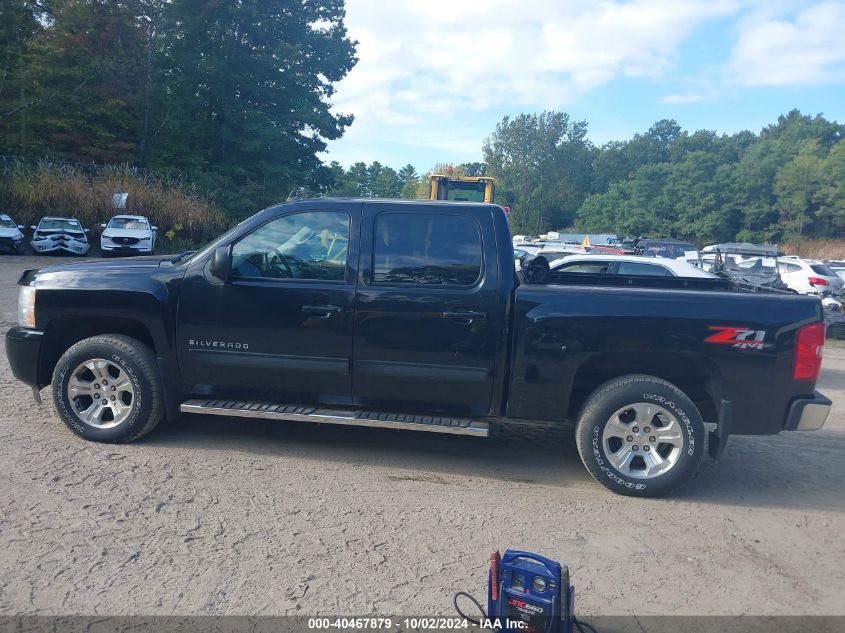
<point x="583" y="625"/>
<point x="474" y="601"/>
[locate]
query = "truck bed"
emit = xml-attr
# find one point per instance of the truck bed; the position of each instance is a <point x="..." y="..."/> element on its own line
<point x="570" y="335"/>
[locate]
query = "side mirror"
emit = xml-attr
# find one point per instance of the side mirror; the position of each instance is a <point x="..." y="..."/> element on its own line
<point x="221" y="263"/>
<point x="154" y="228"/>
<point x="20" y="227"/>
<point x="87" y="230"/>
<point x="32" y="226"/>
<point x="509" y="198"/>
<point x="102" y="226"/>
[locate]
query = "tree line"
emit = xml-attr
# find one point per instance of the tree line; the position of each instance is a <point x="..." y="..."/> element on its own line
<point x="783" y="184"/>
<point x="232" y="96"/>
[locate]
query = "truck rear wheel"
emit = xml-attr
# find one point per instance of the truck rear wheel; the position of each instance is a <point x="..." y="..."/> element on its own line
<point x="107" y="389"/>
<point x="640" y="436"/>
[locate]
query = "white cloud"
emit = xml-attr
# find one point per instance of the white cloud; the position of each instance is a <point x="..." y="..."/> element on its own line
<point x="425" y="64"/>
<point x="809" y="48"/>
<point x="688" y="97"/>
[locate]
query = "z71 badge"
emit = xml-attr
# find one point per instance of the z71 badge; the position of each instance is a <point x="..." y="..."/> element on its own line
<point x="739" y="337"/>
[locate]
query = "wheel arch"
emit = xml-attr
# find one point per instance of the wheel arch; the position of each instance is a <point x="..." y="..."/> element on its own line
<point x="697" y="376"/>
<point x="64" y="332"/>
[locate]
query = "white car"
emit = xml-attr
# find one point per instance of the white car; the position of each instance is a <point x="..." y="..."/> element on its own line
<point x="53" y="235"/>
<point x="11" y="238"/>
<point x="129" y="235"/>
<point x="837" y="267"/>
<point x="627" y="265"/>
<point x="809" y="276"/>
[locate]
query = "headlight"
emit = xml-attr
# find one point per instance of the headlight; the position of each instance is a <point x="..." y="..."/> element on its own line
<point x="26" y="307"/>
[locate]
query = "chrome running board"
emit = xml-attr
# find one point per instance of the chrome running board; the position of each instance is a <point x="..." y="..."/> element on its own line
<point x="269" y="411"/>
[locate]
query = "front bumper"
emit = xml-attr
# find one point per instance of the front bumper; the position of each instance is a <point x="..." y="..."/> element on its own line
<point x="121" y="248"/>
<point x="808" y="414"/>
<point x="76" y="248"/>
<point x="23" y="349"/>
<point x="10" y="244"/>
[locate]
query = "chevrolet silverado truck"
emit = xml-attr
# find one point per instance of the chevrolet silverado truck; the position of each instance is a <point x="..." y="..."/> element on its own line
<point x="410" y="315"/>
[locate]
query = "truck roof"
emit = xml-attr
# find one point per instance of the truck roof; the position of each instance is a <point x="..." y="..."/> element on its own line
<point x="390" y="201"/>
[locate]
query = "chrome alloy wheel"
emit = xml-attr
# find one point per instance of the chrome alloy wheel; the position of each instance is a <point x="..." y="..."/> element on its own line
<point x="101" y="393"/>
<point x="643" y="440"/>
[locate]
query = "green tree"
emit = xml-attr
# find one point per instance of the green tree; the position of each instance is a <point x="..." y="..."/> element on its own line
<point x="386" y="184"/>
<point x="19" y="24"/>
<point x="830" y="217"/>
<point x="797" y="186"/>
<point x="546" y="160"/>
<point x="408" y="179"/>
<point x="246" y="109"/>
<point x="83" y="75"/>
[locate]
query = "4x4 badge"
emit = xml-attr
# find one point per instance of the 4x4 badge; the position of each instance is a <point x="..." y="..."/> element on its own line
<point x="739" y="337"/>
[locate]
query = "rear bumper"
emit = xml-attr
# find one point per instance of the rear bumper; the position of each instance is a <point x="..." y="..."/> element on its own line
<point x="808" y="414"/>
<point x="23" y="349"/>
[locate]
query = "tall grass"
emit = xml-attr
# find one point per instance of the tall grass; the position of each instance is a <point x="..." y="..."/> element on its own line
<point x="816" y="249"/>
<point x="29" y="191"/>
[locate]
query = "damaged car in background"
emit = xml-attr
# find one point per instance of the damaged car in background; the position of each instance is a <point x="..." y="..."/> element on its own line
<point x="56" y="235"/>
<point x="11" y="238"/>
<point x="753" y="267"/>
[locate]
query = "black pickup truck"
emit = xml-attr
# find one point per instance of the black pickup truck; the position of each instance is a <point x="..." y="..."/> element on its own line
<point x="410" y="315"/>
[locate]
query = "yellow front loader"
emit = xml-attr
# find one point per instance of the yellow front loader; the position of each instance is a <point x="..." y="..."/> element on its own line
<point x="467" y="188"/>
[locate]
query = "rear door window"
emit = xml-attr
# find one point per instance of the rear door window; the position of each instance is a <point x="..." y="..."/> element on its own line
<point x="427" y="249"/>
<point x="590" y="268"/>
<point x="637" y="269"/>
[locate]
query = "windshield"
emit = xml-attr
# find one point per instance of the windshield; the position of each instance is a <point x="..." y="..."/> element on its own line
<point x="59" y="224"/>
<point x="133" y="224"/>
<point x="466" y="191"/>
<point x="751" y="264"/>
<point x="8" y="223"/>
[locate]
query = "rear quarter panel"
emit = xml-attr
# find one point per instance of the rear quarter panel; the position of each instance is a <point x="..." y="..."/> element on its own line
<point x="564" y="333"/>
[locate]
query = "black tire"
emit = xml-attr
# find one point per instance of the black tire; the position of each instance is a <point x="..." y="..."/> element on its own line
<point x="633" y="389"/>
<point x="126" y="354"/>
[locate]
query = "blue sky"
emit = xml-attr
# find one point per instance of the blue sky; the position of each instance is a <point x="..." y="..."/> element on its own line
<point x="435" y="76"/>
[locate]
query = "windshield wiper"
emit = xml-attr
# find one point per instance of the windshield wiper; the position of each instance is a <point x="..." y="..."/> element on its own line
<point x="181" y="256"/>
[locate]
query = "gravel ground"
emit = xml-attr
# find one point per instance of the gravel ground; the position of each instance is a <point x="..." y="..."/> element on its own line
<point x="222" y="516"/>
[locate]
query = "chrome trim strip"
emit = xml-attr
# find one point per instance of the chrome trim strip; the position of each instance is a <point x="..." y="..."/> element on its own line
<point x="328" y="416"/>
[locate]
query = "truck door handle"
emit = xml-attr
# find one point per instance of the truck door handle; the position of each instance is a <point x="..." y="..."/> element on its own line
<point x="321" y="312"/>
<point x="464" y="316"/>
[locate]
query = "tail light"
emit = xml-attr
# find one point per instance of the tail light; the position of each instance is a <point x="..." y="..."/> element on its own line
<point x="808" y="352"/>
<point x="817" y="281"/>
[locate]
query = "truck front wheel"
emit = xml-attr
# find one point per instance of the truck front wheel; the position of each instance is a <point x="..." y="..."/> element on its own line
<point x="107" y="389"/>
<point x="640" y="436"/>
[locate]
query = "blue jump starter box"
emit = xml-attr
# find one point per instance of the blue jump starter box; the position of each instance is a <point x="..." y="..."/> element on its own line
<point x="528" y="593"/>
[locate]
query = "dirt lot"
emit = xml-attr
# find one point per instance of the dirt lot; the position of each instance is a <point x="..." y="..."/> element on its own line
<point x="219" y="516"/>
